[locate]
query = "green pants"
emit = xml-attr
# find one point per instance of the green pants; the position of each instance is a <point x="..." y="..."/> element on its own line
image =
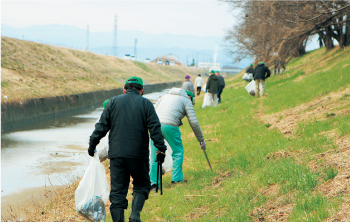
<point x="172" y="135"/>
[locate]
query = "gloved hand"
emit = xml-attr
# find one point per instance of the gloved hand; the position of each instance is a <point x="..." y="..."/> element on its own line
<point x="160" y="156"/>
<point x="91" y="151"/>
<point x="203" y="145"/>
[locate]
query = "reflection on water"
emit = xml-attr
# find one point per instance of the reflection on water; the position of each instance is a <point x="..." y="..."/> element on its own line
<point x="52" y="151"/>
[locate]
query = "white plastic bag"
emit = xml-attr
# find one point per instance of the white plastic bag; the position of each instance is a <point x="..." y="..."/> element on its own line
<point x="207" y="100"/>
<point x="93" y="192"/>
<point x="204" y="88"/>
<point x="102" y="148"/>
<point x="250" y="76"/>
<point x="168" y="161"/>
<point x="251" y="88"/>
<point x="245" y="76"/>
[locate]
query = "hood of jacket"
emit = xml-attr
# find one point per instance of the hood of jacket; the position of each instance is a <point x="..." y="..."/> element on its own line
<point x="179" y="92"/>
<point x="261" y="64"/>
<point x="214" y="78"/>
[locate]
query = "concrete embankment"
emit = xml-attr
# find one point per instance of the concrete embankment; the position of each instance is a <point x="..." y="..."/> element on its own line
<point x="15" y="114"/>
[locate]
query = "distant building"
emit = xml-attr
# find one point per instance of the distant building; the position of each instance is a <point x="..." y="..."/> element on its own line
<point x="172" y="63"/>
<point x="209" y="66"/>
<point x="147" y="60"/>
<point x="127" y="56"/>
<point x="172" y="57"/>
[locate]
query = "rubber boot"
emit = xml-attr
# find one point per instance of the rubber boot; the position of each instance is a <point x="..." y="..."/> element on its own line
<point x="136" y="207"/>
<point x="117" y="214"/>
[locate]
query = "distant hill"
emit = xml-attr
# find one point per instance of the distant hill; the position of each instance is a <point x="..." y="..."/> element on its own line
<point x="149" y="45"/>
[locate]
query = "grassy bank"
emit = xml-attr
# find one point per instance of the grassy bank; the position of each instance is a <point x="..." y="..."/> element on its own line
<point x="34" y="70"/>
<point x="281" y="157"/>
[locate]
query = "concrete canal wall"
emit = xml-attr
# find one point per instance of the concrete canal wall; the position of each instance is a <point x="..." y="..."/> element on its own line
<point x="15" y="114"/>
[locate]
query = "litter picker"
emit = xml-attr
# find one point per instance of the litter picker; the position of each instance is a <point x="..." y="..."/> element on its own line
<point x="205" y="153"/>
<point x="159" y="174"/>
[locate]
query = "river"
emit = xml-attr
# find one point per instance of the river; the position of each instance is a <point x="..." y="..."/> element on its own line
<point x="49" y="152"/>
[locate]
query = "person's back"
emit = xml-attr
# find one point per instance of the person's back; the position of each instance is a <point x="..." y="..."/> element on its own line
<point x="188" y="86"/>
<point x="198" y="82"/>
<point x="129" y="116"/>
<point x="222" y="80"/>
<point x="261" y="71"/>
<point x="213" y="84"/>
<point x="250" y="70"/>
<point x="174" y="106"/>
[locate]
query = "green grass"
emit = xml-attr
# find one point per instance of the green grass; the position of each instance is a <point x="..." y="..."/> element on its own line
<point x="4" y="84"/>
<point x="238" y="144"/>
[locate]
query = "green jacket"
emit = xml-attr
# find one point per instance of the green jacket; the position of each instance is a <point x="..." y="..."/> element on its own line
<point x="213" y="84"/>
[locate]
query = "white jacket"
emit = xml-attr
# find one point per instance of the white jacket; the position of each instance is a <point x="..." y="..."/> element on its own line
<point x="199" y="82"/>
<point x="174" y="106"/>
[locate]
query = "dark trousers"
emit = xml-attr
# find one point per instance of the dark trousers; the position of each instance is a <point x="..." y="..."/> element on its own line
<point x="121" y="170"/>
<point x="199" y="88"/>
<point x="221" y="88"/>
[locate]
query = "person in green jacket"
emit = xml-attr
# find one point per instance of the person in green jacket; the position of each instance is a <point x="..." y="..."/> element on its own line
<point x="213" y="86"/>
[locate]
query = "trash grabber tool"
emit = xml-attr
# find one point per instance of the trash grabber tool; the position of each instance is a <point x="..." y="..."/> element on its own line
<point x="205" y="153"/>
<point x="159" y="173"/>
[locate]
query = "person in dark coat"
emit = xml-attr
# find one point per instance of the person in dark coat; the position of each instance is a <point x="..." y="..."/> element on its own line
<point x="250" y="71"/>
<point x="221" y="86"/>
<point x="129" y="118"/>
<point x="213" y="85"/>
<point x="261" y="73"/>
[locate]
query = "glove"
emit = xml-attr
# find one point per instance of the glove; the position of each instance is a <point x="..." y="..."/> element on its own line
<point x="160" y="156"/>
<point x="203" y="145"/>
<point x="91" y="151"/>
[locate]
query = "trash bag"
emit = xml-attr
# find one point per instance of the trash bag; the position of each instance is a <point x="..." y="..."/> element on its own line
<point x="93" y="192"/>
<point x="102" y="148"/>
<point x="245" y="76"/>
<point x="168" y="161"/>
<point x="207" y="101"/>
<point x="204" y="88"/>
<point x="251" y="88"/>
<point x="250" y="76"/>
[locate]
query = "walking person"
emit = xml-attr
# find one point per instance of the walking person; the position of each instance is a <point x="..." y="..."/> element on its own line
<point x="128" y="118"/>
<point x="250" y="71"/>
<point x="187" y="85"/>
<point x="261" y="73"/>
<point x="221" y="85"/>
<point x="198" y="83"/>
<point x="171" y="109"/>
<point x="212" y="87"/>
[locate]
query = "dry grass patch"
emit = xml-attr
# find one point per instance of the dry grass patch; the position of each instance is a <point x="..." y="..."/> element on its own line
<point x="217" y="181"/>
<point x="318" y="109"/>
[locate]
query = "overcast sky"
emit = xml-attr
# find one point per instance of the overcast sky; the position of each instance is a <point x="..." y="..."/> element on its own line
<point x="196" y="17"/>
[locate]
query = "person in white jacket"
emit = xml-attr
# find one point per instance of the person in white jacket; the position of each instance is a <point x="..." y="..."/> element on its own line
<point x="198" y="83"/>
<point x="171" y="109"/>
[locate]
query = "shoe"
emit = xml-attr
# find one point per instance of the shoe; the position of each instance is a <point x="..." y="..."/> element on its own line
<point x="175" y="182"/>
<point x="117" y="214"/>
<point x="136" y="207"/>
<point x="153" y="187"/>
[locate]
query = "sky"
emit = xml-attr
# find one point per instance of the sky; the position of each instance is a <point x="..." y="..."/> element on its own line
<point x="181" y="17"/>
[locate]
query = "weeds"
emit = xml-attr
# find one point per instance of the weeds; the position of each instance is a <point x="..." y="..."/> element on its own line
<point x="4" y="84"/>
<point x="331" y="172"/>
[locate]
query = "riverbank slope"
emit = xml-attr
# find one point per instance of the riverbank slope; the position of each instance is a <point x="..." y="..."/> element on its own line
<point x="34" y="70"/>
<point x="281" y="157"/>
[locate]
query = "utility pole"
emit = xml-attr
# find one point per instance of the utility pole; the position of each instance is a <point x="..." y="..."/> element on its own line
<point x="135" y="49"/>
<point x="187" y="60"/>
<point x="115" y="47"/>
<point x="87" y="39"/>
<point x="197" y="59"/>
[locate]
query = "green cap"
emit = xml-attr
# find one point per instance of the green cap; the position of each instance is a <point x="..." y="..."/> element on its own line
<point x="105" y="103"/>
<point x="251" y="64"/>
<point x="135" y="80"/>
<point x="190" y="94"/>
<point x="262" y="63"/>
<point x="212" y="71"/>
